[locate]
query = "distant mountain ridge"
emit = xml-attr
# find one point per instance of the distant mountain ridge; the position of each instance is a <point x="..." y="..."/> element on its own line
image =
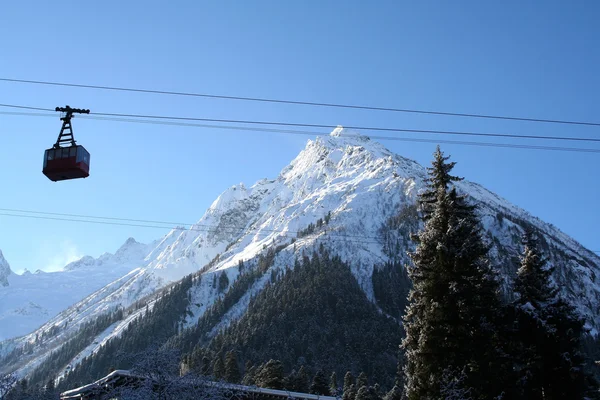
<point x="355" y="183"/>
<point x="28" y="300"/>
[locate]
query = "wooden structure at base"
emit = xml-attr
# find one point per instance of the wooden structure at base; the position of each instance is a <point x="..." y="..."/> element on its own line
<point x="98" y="389"/>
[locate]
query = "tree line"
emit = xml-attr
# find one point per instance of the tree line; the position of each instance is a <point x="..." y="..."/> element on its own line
<point x="462" y="340"/>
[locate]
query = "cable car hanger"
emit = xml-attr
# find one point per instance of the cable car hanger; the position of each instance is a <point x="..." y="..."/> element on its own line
<point x="66" y="132"/>
<point x="66" y="160"/>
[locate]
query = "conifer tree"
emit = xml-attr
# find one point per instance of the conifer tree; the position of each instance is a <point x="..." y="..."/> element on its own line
<point x="549" y="361"/>
<point x="218" y="367"/>
<point x="399" y="381"/>
<point x="205" y="368"/>
<point x="23" y="385"/>
<point x="232" y="370"/>
<point x="270" y="375"/>
<point x="302" y="381"/>
<point x="333" y="384"/>
<point x="50" y="390"/>
<point x="223" y="281"/>
<point x="348" y="380"/>
<point x="362" y="380"/>
<point x="248" y="365"/>
<point x="249" y="376"/>
<point x="454" y="300"/>
<point x="367" y="393"/>
<point x="395" y="393"/>
<point x="319" y="384"/>
<point x="349" y="392"/>
<point x="377" y="389"/>
<point x="349" y="388"/>
<point x="297" y="381"/>
<point x="289" y="381"/>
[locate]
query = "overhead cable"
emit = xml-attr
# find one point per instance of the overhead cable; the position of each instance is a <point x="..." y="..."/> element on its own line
<point x="306" y="103"/>
<point x="312" y="133"/>
<point x="198" y="227"/>
<point x="164" y="120"/>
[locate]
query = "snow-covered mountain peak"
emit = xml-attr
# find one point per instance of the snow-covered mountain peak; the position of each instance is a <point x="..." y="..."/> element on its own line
<point x="346" y="156"/>
<point x="129" y="242"/>
<point x="337" y="131"/>
<point x="340" y="131"/>
<point x="223" y="202"/>
<point x="5" y="270"/>
<point x="132" y="250"/>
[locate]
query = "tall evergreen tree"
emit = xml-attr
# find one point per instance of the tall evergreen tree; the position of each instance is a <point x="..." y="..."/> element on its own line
<point x="319" y="384"/>
<point x="454" y="301"/>
<point x="333" y="385"/>
<point x="302" y="381"/>
<point x="348" y="380"/>
<point x="395" y="393"/>
<point x="232" y="370"/>
<point x="249" y="376"/>
<point x="349" y="387"/>
<point x="248" y="365"/>
<point x="205" y="368"/>
<point x="549" y="361"/>
<point x="350" y="392"/>
<point x="218" y="367"/>
<point x="223" y="281"/>
<point x="297" y="381"/>
<point x="270" y="375"/>
<point x="367" y="393"/>
<point x="362" y="380"/>
<point x="289" y="381"/>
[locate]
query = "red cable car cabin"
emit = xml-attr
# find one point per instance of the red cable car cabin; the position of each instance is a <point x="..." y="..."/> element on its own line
<point x="64" y="163"/>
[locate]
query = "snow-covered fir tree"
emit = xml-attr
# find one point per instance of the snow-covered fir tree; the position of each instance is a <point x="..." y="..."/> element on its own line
<point x="349" y="387"/>
<point x="319" y="384"/>
<point x="218" y="367"/>
<point x="270" y="375"/>
<point x="333" y="384"/>
<point x="454" y="302"/>
<point x="549" y="363"/>
<point x="362" y="380"/>
<point x="232" y="370"/>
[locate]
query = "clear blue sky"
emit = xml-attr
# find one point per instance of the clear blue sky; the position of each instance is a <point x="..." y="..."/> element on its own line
<point x="537" y="58"/>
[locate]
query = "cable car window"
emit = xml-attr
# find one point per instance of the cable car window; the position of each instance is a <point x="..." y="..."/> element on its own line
<point x="82" y="155"/>
<point x="73" y="151"/>
<point x="50" y="155"/>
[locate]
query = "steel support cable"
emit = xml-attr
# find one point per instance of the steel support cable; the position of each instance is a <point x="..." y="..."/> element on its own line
<point x="312" y="133"/>
<point x="146" y="224"/>
<point x="326" y="126"/>
<point x="307" y="103"/>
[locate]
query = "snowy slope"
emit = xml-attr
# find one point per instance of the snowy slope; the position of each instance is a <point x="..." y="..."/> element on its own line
<point x="29" y="300"/>
<point x="5" y="271"/>
<point x="356" y="181"/>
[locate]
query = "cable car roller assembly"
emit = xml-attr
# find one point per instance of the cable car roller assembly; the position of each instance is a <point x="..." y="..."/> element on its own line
<point x="67" y="160"/>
